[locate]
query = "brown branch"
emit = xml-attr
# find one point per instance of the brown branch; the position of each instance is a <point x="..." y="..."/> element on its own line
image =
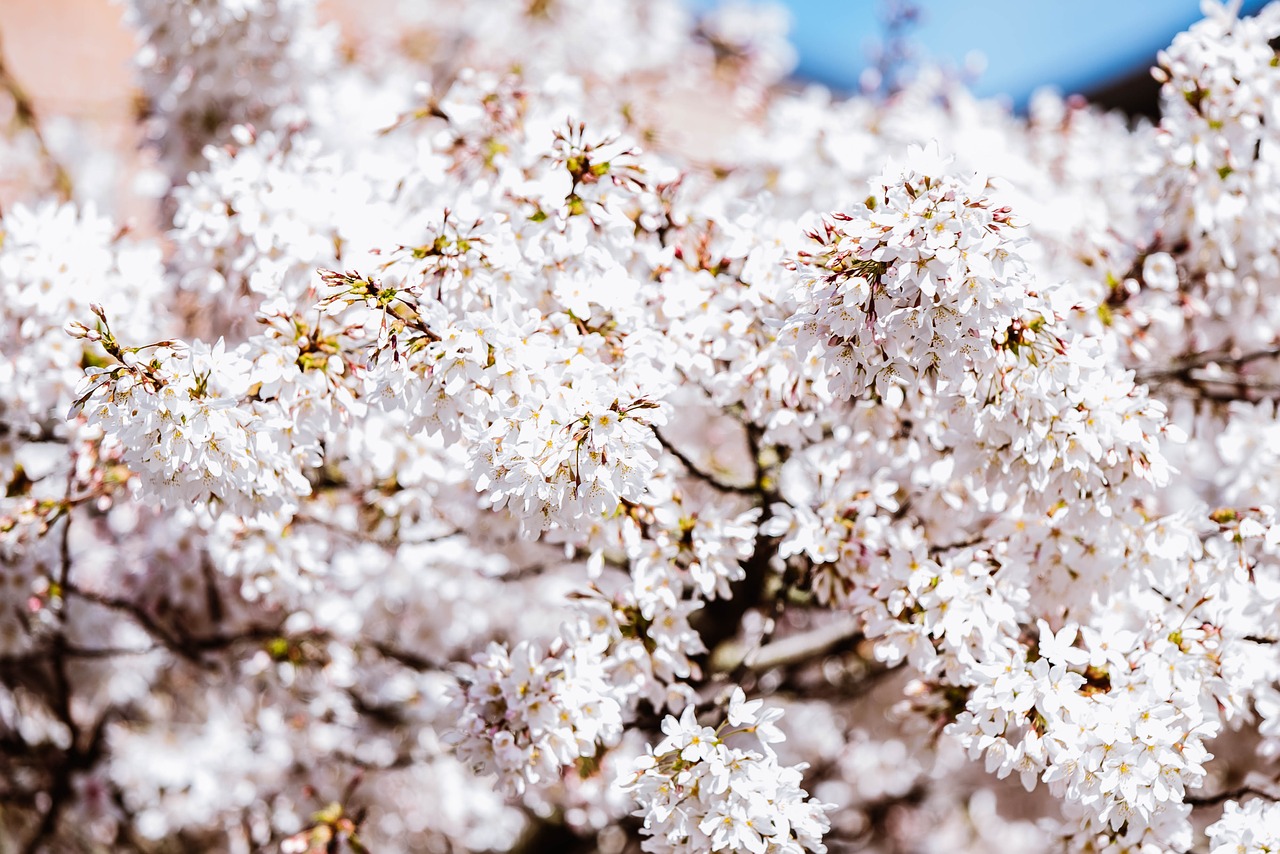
<point x="69" y="651"/>
<point x="192" y="647"/>
<point x="212" y="598"/>
<point x="803" y="647"/>
<point x="1203" y="360"/>
<point x="721" y="619"/>
<point x="141" y="617"/>
<point x="1228" y="386"/>
<point x="189" y="647"/>
<point x="938" y="550"/>
<point x="548" y="834"/>
<point x="366" y="537"/>
<point x="1229" y="795"/>
<point x="60" y="790"/>
<point x="692" y="467"/>
<point x="410" y="660"/>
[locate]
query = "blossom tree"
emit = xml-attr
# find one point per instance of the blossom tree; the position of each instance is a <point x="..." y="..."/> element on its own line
<point x="517" y="441"/>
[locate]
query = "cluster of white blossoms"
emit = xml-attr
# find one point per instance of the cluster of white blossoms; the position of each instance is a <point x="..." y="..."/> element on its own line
<point x="699" y="790"/>
<point x="493" y="409"/>
<point x="1251" y="829"/>
<point x="201" y="425"/>
<point x="55" y="261"/>
<point x="523" y="716"/>
<point x="925" y="283"/>
<point x="1110" y="730"/>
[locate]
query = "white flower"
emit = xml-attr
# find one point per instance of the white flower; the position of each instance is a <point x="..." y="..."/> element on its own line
<point x="729" y="797"/>
<point x="1253" y="828"/>
<point x="1057" y="647"/>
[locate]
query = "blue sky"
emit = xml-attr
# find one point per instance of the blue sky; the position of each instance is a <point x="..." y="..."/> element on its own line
<point x="1072" y="44"/>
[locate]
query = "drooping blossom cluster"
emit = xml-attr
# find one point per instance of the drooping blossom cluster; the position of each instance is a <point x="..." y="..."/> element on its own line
<point x="493" y="410"/>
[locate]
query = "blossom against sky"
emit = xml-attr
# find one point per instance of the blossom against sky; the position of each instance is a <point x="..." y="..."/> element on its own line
<point x="1075" y="46"/>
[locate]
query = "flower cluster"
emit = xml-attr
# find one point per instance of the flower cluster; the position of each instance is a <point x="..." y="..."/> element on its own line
<point x="1247" y="829"/>
<point x="924" y="283"/>
<point x="1093" y="724"/>
<point x="55" y="261"/>
<point x="186" y="424"/>
<point x="699" y="791"/>
<point x="493" y="406"/>
<point x="525" y="716"/>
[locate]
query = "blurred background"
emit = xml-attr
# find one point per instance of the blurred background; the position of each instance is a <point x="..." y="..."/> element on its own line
<point x="1103" y="49"/>
<point x="71" y="57"/>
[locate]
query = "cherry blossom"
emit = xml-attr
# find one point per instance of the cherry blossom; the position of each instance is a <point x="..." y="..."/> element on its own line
<point x="542" y="426"/>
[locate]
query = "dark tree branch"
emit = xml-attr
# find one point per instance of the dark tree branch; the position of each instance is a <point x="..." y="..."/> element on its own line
<point x="712" y="481"/>
<point x="721" y="619"/>
<point x="1229" y="795"/>
<point x="1182" y="370"/>
<point x="1223" y="387"/>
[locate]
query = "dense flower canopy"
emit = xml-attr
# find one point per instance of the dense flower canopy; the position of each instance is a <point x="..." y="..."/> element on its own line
<point x="541" y="426"/>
